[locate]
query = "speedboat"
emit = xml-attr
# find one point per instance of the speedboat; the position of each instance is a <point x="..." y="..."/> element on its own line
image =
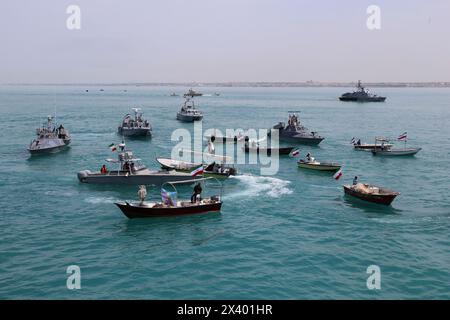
<point x="135" y="127"/>
<point x="212" y="170"/>
<point x="396" y="152"/>
<point x="256" y="148"/>
<point x="170" y="205"/>
<point x="380" y="143"/>
<point x="131" y="171"/>
<point x="50" y="139"/>
<point x="361" y="95"/>
<point x="296" y="132"/>
<point x="188" y="112"/>
<point x="371" y="193"/>
<point x="316" y="165"/>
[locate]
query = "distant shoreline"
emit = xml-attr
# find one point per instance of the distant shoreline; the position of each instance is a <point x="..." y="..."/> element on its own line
<point x="307" y="84"/>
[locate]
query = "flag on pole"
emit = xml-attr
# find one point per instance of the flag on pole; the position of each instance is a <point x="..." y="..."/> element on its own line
<point x="296" y="152"/>
<point x="338" y="175"/>
<point x="403" y="136"/>
<point x="197" y="171"/>
<point x="113" y="147"/>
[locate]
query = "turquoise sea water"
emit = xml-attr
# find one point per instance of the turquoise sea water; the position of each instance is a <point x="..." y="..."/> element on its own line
<point x="289" y="236"/>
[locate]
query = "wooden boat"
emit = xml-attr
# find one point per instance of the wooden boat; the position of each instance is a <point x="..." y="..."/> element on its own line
<point x="396" y="152"/>
<point x="268" y="150"/>
<point x="169" y="206"/>
<point x="211" y="170"/>
<point x="371" y="193"/>
<point x="148" y="210"/>
<point x="321" y="166"/>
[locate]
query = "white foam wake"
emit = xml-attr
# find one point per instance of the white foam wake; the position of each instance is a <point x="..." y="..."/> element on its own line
<point x="100" y="200"/>
<point x="261" y="185"/>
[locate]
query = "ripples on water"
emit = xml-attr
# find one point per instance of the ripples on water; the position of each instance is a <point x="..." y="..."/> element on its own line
<point x="289" y="236"/>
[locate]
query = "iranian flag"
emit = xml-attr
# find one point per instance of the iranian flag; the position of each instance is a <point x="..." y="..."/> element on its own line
<point x="403" y="136"/>
<point x="113" y="147"/>
<point x="296" y="152"/>
<point x="338" y="175"/>
<point x="197" y="171"/>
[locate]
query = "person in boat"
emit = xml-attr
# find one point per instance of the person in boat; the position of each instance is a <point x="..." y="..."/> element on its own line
<point x="358" y="143"/>
<point x="103" y="169"/>
<point x="196" y="195"/>
<point x="142" y="193"/>
<point x="355" y="180"/>
<point x="309" y="158"/>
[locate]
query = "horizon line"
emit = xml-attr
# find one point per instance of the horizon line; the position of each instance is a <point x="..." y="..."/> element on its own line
<point x="309" y="83"/>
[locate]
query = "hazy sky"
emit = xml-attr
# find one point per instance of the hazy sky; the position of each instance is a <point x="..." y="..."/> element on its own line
<point x="223" y="40"/>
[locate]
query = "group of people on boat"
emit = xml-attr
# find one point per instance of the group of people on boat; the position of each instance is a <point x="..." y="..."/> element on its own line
<point x="132" y="123"/>
<point x="293" y="121"/>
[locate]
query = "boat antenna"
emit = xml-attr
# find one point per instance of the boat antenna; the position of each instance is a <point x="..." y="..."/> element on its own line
<point x="54" y="103"/>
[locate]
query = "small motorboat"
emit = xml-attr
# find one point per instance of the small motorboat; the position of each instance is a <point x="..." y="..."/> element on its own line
<point x="396" y="152"/>
<point x="135" y="127"/>
<point x="380" y="143"/>
<point x="130" y="171"/>
<point x="316" y="165"/>
<point x="371" y="193"/>
<point x="170" y="206"/>
<point x="219" y="171"/>
<point x="188" y="112"/>
<point x="50" y="138"/>
<point x="267" y="150"/>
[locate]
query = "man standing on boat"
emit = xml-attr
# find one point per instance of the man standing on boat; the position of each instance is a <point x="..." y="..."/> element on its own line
<point x="196" y="196"/>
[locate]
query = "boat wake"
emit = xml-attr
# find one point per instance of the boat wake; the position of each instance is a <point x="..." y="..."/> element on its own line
<point x="100" y="200"/>
<point x="260" y="185"/>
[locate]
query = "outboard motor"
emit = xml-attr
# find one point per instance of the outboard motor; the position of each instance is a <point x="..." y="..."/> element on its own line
<point x="82" y="175"/>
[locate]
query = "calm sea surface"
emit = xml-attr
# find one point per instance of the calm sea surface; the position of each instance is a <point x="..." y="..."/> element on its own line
<point x="289" y="236"/>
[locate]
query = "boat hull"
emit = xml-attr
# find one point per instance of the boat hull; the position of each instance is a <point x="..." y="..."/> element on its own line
<point x="188" y="118"/>
<point x="353" y="99"/>
<point x="268" y="151"/>
<point x="51" y="149"/>
<point x="157" y="178"/>
<point x="319" y="167"/>
<point x="384" y="199"/>
<point x="133" y="211"/>
<point x="370" y="147"/>
<point x="134" y="132"/>
<point x="312" y="141"/>
<point x="396" y="152"/>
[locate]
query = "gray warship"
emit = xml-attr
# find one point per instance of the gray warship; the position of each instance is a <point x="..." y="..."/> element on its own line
<point x="50" y="139"/>
<point x="294" y="131"/>
<point x="130" y="171"/>
<point x="361" y="95"/>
